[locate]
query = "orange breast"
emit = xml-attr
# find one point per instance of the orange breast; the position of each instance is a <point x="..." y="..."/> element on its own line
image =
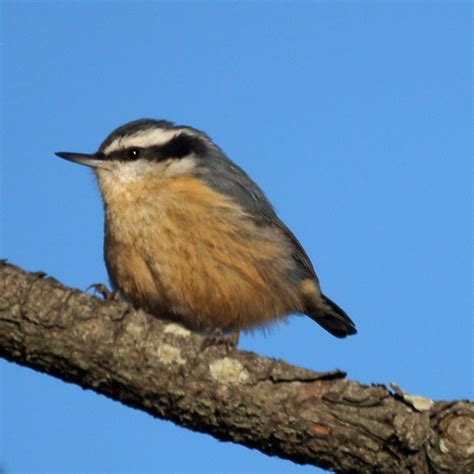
<point x="179" y="249"/>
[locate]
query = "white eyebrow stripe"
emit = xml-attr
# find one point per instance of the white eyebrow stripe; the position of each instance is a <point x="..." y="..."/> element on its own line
<point x="143" y="139"/>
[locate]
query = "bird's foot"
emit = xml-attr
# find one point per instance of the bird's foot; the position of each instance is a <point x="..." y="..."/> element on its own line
<point x="218" y="338"/>
<point x="105" y="292"/>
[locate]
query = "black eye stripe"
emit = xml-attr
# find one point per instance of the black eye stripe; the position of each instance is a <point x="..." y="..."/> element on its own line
<point x="178" y="147"/>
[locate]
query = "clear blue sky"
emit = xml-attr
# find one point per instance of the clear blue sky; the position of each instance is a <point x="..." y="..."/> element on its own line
<point x="355" y="118"/>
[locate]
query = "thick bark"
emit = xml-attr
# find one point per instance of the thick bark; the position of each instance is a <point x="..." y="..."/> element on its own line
<point x="159" y="367"/>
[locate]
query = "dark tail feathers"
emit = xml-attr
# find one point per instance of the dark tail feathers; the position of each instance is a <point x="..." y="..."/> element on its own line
<point x="333" y="318"/>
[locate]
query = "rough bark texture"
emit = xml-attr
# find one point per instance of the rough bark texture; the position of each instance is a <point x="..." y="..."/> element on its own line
<point x="159" y="367"/>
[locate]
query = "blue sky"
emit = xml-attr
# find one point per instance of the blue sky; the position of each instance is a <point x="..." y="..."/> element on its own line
<point x="355" y="118"/>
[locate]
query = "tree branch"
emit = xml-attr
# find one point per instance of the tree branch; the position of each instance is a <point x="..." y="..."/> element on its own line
<point x="159" y="367"/>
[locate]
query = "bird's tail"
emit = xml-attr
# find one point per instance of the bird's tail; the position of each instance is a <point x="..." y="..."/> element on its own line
<point x="332" y="318"/>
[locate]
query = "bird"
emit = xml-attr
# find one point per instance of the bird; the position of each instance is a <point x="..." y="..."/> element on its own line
<point x="191" y="238"/>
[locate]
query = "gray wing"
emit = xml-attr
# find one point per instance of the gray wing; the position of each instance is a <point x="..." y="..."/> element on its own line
<point x="223" y="175"/>
<point x="299" y="253"/>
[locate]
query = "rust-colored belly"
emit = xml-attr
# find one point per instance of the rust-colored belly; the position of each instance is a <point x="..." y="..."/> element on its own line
<point x="182" y="251"/>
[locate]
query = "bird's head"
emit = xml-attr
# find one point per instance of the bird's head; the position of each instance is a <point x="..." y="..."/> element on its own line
<point x="144" y="148"/>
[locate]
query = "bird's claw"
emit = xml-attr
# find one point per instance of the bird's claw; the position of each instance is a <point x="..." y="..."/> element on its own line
<point x="105" y="292"/>
<point x="219" y="339"/>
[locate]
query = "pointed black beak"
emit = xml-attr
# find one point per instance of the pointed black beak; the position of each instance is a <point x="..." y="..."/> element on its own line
<point x="95" y="160"/>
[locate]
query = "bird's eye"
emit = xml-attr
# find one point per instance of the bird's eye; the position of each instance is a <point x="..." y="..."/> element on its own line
<point x="134" y="153"/>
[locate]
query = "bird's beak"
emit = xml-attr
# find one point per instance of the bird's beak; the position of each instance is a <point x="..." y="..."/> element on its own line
<point x="95" y="160"/>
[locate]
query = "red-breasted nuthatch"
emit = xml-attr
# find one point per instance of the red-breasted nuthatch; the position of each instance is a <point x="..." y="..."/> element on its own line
<point x="190" y="237"/>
